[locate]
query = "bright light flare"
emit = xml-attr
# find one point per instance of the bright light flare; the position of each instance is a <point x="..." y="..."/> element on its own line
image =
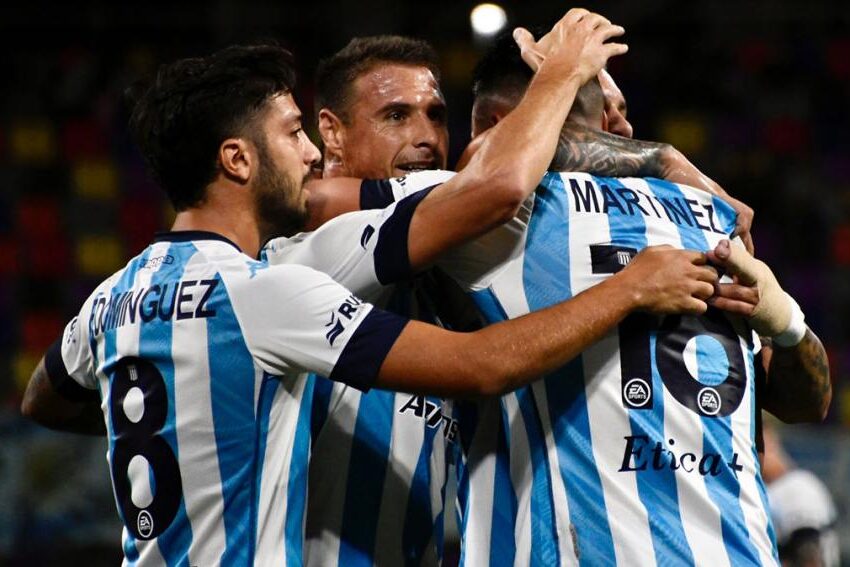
<point x="488" y="19"/>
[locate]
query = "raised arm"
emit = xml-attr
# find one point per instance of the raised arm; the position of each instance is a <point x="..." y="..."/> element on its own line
<point x="517" y="153"/>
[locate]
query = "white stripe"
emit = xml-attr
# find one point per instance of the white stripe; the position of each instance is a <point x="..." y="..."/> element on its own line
<point x="563" y="524"/>
<point x="329" y="462"/>
<point x="405" y="446"/>
<point x="481" y="468"/>
<point x="521" y="478"/>
<point x="195" y="429"/>
<point x="438" y="469"/>
<point x="273" y="504"/>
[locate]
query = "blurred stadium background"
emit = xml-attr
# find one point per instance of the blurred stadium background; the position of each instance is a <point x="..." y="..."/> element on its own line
<point x="755" y="93"/>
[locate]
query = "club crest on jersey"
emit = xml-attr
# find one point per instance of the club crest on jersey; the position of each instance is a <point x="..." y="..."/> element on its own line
<point x="144" y="523"/>
<point x="709" y="401"/>
<point x="609" y="258"/>
<point x="637" y="393"/>
<point x="345" y="312"/>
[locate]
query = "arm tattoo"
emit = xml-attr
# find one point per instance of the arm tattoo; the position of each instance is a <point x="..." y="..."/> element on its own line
<point x="584" y="149"/>
<point x="798" y="382"/>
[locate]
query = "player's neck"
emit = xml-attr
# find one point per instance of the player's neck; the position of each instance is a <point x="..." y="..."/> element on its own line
<point x="236" y="221"/>
<point x="334" y="167"/>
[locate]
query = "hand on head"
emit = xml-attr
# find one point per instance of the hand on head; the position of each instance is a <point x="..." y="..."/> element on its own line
<point x="575" y="45"/>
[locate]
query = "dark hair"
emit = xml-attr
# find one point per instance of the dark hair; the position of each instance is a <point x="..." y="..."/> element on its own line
<point x="194" y="104"/>
<point x="502" y="73"/>
<point x="336" y="74"/>
<point x="502" y="69"/>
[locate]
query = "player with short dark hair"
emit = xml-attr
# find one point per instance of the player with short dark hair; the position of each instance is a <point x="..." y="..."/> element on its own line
<point x="197" y="353"/>
<point x="388" y="86"/>
<point x="380" y="114"/>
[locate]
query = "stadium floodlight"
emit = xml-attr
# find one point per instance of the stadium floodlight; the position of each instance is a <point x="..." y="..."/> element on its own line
<point x="487" y="19"/>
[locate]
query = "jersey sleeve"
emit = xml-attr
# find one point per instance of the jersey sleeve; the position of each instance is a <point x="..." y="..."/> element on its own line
<point x="69" y="361"/>
<point x="294" y="318"/>
<point x="381" y="193"/>
<point x="364" y="251"/>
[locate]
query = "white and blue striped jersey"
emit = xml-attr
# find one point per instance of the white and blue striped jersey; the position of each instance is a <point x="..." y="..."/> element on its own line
<point x="640" y="451"/>
<point x="201" y="357"/>
<point x="378" y="462"/>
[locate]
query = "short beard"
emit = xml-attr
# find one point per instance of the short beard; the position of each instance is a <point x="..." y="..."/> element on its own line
<point x="280" y="210"/>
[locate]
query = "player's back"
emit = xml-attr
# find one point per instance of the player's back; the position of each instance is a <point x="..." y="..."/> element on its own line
<point x="189" y="409"/>
<point x="640" y="450"/>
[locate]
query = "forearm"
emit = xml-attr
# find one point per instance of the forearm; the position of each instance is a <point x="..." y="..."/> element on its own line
<point x="586" y="149"/>
<point x="504" y="356"/>
<point x="46" y="407"/>
<point x="527" y="348"/>
<point x="798" y="381"/>
<point x="87" y="421"/>
<point x="581" y="148"/>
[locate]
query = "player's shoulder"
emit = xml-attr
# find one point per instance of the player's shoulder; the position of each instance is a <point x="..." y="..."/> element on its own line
<point x="345" y="232"/>
<point x="380" y="193"/>
<point x="424" y="179"/>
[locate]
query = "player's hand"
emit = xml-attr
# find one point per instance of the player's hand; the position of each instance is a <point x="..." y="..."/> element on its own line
<point x="735" y="298"/>
<point x="574" y="47"/>
<point x="775" y="313"/>
<point x="744" y="222"/>
<point x="668" y="280"/>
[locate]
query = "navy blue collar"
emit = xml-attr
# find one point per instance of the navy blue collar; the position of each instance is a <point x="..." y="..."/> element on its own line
<point x="189" y="235"/>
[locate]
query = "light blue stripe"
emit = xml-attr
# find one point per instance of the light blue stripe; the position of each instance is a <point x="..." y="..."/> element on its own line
<point x="726" y="215"/>
<point x="723" y="489"/>
<point x="297" y="487"/>
<point x="265" y="402"/>
<point x="544" y="534"/>
<point x="232" y="398"/>
<point x="155" y="345"/>
<point x="418" y="524"/>
<point x="502" y="542"/>
<point x="546" y="280"/>
<point x="656" y="489"/>
<point x="485" y="300"/>
<point x="366" y="473"/>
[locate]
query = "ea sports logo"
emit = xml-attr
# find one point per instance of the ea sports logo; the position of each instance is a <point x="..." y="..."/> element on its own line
<point x="637" y="392"/>
<point x="144" y="523"/>
<point x="708" y="401"/>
